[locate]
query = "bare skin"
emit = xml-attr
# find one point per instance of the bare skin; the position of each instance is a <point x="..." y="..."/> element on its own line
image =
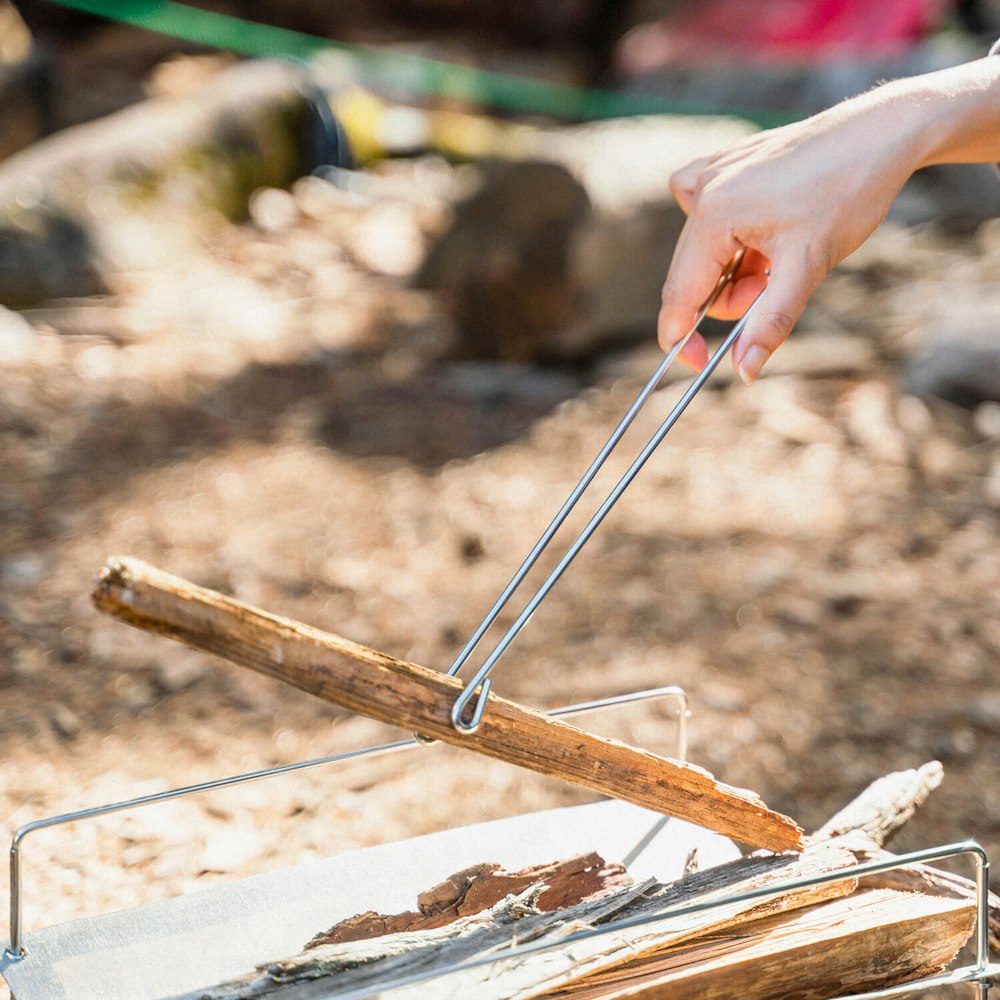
<point x="802" y="197"/>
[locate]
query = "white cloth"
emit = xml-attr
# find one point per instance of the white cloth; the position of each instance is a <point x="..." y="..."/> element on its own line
<point x="178" y="946"/>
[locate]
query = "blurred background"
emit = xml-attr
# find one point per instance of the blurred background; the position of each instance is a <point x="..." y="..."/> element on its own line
<point x="328" y="305"/>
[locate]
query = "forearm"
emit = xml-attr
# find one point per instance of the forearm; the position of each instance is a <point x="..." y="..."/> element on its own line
<point x="953" y="115"/>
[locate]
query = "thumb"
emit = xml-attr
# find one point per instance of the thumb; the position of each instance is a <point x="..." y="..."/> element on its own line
<point x="781" y="304"/>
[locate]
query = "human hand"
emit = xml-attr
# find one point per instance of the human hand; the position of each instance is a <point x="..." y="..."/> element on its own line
<point x="798" y="199"/>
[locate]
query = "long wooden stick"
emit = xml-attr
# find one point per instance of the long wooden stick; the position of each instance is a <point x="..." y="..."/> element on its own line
<point x="419" y="699"/>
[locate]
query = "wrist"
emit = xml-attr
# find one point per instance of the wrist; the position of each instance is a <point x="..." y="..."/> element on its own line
<point x="895" y="122"/>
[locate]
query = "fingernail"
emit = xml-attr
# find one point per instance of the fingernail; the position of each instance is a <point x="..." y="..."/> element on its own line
<point x="753" y="361"/>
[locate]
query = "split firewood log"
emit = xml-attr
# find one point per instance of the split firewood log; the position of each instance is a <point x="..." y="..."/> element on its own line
<point x="812" y="941"/>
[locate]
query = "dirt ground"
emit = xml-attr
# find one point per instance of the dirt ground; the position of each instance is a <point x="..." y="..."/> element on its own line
<point x="814" y="559"/>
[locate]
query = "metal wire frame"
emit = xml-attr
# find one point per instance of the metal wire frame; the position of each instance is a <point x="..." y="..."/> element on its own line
<point x="980" y="972"/>
<point x="16" y="949"/>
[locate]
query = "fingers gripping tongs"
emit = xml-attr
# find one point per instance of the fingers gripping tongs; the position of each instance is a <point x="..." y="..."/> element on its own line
<point x="469" y="721"/>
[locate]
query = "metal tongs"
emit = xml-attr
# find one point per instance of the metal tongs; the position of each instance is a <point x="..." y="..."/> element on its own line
<point x="480" y="680"/>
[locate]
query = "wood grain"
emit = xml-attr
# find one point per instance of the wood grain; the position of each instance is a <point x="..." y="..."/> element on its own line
<point x="874" y="939"/>
<point x="419" y="699"/>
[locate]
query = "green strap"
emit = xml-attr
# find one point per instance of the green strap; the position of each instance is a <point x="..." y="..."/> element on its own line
<point x="411" y="72"/>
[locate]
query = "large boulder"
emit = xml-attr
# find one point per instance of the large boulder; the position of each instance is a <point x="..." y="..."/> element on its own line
<point x="122" y="192"/>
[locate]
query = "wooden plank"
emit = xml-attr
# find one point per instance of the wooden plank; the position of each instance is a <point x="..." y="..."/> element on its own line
<point x="419" y="699"/>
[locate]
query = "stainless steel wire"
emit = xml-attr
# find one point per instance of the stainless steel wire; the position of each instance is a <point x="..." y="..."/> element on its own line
<point x="16" y="950"/>
<point x="480" y="682"/>
<point x="592" y="470"/>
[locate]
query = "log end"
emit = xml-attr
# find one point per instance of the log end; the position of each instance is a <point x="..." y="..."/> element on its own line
<point x="776" y="833"/>
<point x="113" y="581"/>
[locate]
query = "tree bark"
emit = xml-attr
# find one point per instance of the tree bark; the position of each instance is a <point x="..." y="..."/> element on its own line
<point x="404" y="694"/>
<point x="472" y="890"/>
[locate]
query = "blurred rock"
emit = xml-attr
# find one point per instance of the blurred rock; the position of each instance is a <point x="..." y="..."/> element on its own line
<point x="65" y="721"/>
<point x="502" y="269"/>
<point x="23" y="105"/>
<point x="17" y="337"/>
<point x="959" y="359"/>
<point x="619" y="250"/>
<point x="111" y="194"/>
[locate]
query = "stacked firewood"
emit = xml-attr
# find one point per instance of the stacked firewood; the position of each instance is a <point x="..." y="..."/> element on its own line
<point x="819" y="940"/>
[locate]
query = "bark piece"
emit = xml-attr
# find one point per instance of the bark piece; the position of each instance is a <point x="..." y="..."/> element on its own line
<point x="472" y="890"/>
<point x="404" y="694"/>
